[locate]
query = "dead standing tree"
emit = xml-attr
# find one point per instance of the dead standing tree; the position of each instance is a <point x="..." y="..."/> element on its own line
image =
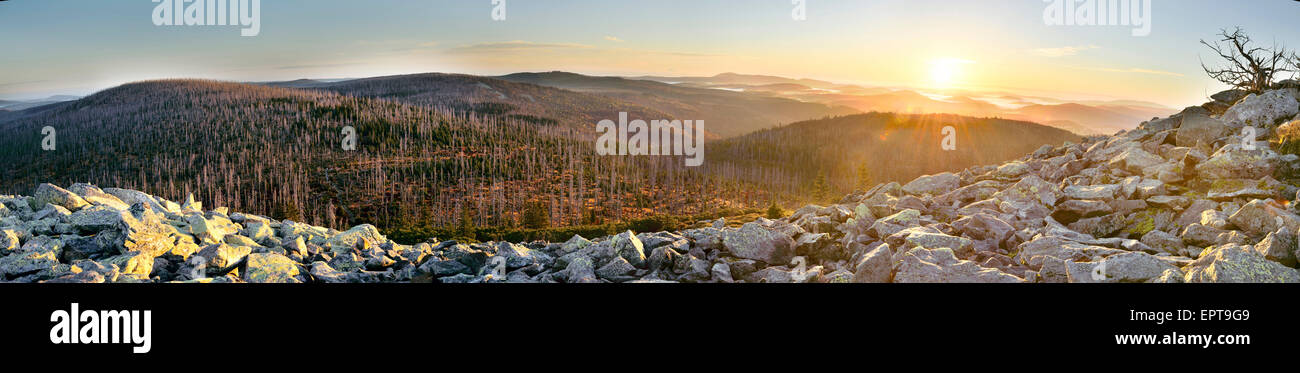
<point x="1248" y="67"/>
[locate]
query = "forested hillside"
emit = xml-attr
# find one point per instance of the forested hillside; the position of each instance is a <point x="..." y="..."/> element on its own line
<point x="725" y="113"/>
<point x="277" y="151"/>
<point x="832" y="157"/>
<point x="423" y="161"/>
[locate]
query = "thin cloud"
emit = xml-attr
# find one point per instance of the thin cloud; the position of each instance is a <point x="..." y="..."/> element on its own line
<point x="1062" y="51"/>
<point x="614" y="39"/>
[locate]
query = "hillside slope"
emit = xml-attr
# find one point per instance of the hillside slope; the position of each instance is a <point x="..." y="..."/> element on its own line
<point x="888" y="146"/>
<point x="725" y="113"/>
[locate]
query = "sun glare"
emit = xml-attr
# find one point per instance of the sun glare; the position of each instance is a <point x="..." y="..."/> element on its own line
<point x="945" y="72"/>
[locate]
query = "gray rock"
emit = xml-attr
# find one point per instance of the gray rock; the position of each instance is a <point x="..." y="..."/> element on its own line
<point x="271" y="268"/>
<point x="1262" y="110"/>
<point x="1132" y="267"/>
<point x="1164" y="242"/>
<point x="1238" y="264"/>
<point x="347" y="240"/>
<point x="933" y="184"/>
<point x="628" y="247"/>
<point x="50" y="194"/>
<point x="752" y="241"/>
<point x="1104" y="192"/>
<point x="921" y="265"/>
<point x="1260" y="217"/>
<point x="1071" y="211"/>
<point x="616" y="270"/>
<point x="1279" y="247"/>
<point x="1200" y="129"/>
<point x="721" y="273"/>
<point x="875" y="266"/>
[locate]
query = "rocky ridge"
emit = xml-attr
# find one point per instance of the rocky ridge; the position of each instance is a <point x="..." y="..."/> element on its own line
<point x="1178" y="199"/>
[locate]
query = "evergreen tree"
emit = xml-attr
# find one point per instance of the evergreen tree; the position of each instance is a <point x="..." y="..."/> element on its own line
<point x="865" y="182"/>
<point x="774" y="211"/>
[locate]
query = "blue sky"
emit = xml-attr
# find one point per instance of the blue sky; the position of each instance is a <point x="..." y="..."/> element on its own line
<point x="81" y="46"/>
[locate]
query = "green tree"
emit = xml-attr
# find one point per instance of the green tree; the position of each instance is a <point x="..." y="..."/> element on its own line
<point x="774" y="211"/>
<point x="864" y="178"/>
<point x="819" y="188"/>
<point x="537" y="215"/>
<point x="466" y="228"/>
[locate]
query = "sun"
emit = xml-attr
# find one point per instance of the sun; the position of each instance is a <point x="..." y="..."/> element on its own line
<point x="944" y="72"/>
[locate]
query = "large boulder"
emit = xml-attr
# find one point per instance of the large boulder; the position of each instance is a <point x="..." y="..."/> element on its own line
<point x="345" y="241"/>
<point x="1104" y="192"/>
<point x="961" y="246"/>
<point x="875" y="266"/>
<point x="1235" y="162"/>
<point x="1030" y="189"/>
<point x="933" y="184"/>
<point x="96" y="196"/>
<point x="1260" y="217"/>
<point x="222" y="256"/>
<point x="921" y="265"/>
<point x="132" y="197"/>
<point x="50" y="194"/>
<point x="1238" y="264"/>
<point x="94" y="219"/>
<point x="752" y="241"/>
<point x="1073" y="210"/>
<point x="271" y="268"/>
<point x="1199" y="128"/>
<point x="38" y="254"/>
<point x="1131" y="267"/>
<point x="1279" y="247"/>
<point x="629" y="247"/>
<point x="1262" y="110"/>
<point x="210" y="230"/>
<point x="1135" y="160"/>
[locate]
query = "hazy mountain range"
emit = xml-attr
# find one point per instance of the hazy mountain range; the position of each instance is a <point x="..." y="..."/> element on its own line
<point x="1081" y="116"/>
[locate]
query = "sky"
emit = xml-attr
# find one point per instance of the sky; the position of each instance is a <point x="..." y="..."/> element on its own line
<point x="82" y="46"/>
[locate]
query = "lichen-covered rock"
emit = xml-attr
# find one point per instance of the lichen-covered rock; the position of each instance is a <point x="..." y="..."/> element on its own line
<point x="1279" y="247"/>
<point x="1238" y="264"/>
<point x="221" y="256"/>
<point x="38" y="254"/>
<point x="1235" y="162"/>
<point x="1260" y="217"/>
<point x="922" y="265"/>
<point x="49" y="194"/>
<point x="875" y="266"/>
<point x="1104" y="192"/>
<point x="347" y="240"/>
<point x="627" y="246"/>
<point x="933" y="184"/>
<point x="1030" y="189"/>
<point x="271" y="268"/>
<point x="1262" y="110"/>
<point x="1132" y="267"/>
<point x="95" y="196"/>
<point x="752" y="241"/>
<point x="579" y="271"/>
<point x="1199" y="128"/>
